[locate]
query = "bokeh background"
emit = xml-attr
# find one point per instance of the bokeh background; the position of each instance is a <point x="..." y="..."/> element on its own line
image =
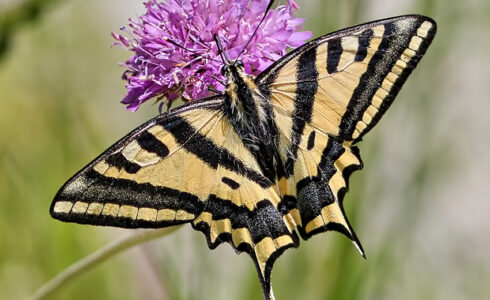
<point x="421" y="205"/>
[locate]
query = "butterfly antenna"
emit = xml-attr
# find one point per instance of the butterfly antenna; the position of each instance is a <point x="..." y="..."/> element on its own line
<point x="188" y="50"/>
<point x="222" y="53"/>
<point x="219" y="80"/>
<point x="256" y="29"/>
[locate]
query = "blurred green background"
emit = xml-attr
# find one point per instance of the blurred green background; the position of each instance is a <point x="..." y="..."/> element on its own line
<point x="420" y="206"/>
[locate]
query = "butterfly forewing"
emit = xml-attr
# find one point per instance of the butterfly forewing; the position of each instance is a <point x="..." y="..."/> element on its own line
<point x="343" y="82"/>
<point x="136" y="182"/>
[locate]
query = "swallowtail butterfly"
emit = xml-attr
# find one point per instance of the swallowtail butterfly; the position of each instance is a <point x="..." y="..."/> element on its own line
<point x="267" y="161"/>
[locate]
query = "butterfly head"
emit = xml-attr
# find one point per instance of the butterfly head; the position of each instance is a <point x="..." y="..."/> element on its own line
<point x="233" y="71"/>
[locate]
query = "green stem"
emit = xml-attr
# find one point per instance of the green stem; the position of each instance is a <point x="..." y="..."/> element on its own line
<point x="84" y="265"/>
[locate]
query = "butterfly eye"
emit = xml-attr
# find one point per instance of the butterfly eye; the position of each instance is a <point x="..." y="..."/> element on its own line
<point x="224" y="70"/>
<point x="239" y="63"/>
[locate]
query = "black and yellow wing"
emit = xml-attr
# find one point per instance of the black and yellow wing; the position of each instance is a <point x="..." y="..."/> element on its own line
<point x="188" y="165"/>
<point x="326" y="95"/>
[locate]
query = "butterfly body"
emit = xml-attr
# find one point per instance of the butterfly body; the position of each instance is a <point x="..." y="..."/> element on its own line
<point x="268" y="159"/>
<point x="251" y="115"/>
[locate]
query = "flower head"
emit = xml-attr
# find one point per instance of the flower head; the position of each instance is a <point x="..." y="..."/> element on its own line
<point x="175" y="53"/>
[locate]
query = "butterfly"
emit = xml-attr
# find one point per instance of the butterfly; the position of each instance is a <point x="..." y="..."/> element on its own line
<point x="265" y="162"/>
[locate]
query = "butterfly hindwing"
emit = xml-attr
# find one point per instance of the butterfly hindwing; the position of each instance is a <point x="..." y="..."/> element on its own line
<point x="313" y="193"/>
<point x="326" y="95"/>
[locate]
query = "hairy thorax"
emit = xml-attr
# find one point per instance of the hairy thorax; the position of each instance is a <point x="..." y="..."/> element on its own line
<point x="247" y="108"/>
<point x="250" y="113"/>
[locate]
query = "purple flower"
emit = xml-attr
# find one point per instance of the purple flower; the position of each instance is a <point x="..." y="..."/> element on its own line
<point x="160" y="67"/>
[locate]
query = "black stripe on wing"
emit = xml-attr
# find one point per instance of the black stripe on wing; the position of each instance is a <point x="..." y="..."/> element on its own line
<point x="364" y="43"/>
<point x="334" y="49"/>
<point x="405" y="73"/>
<point x="396" y="39"/>
<point x="209" y="152"/>
<point x="303" y="103"/>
